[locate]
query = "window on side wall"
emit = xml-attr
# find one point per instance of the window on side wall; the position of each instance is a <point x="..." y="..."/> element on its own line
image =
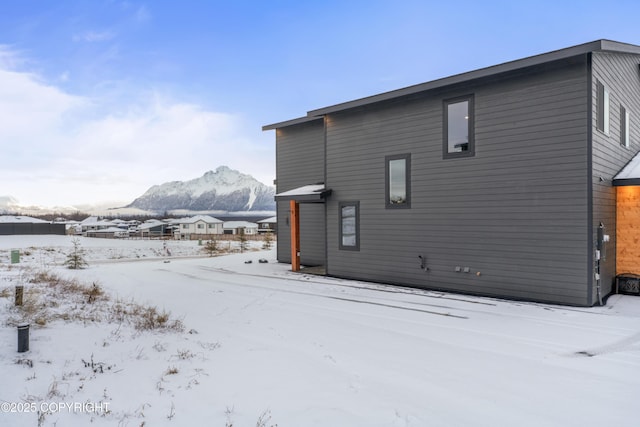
<point x="458" y="127"/>
<point x="350" y="226"/>
<point x="398" y="181"/>
<point x="624" y="127"/>
<point x="603" y="108"/>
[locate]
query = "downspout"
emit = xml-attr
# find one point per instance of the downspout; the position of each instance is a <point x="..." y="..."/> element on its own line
<point x="600" y="256"/>
<point x="326" y="202"/>
<point x="589" y="181"/>
<point x="598" y="260"/>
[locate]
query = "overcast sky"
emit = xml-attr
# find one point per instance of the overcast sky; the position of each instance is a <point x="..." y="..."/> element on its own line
<point x="99" y="100"/>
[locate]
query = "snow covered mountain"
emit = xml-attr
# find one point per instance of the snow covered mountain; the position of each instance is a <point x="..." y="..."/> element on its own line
<point x="224" y="189"/>
<point x="7" y="203"/>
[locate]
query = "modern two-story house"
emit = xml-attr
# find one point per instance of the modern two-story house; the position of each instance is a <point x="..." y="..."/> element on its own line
<point x="197" y="227"/>
<point x="498" y="182"/>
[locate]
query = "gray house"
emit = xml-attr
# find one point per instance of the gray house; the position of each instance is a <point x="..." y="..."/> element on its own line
<point x="497" y="182"/>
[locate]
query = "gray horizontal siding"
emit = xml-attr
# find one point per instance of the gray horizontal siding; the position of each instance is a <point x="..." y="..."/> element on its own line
<point x="516" y="212"/>
<point x="300" y="161"/>
<point x="619" y="73"/>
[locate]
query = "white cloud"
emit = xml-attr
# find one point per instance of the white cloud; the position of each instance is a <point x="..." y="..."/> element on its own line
<point x="60" y="150"/>
<point x="143" y="14"/>
<point x="94" y="36"/>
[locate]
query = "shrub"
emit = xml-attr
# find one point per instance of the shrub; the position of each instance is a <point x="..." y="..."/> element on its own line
<point x="211" y="247"/>
<point x="76" y="258"/>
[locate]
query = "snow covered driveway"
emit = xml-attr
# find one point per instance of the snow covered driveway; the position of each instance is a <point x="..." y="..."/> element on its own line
<point x="263" y="346"/>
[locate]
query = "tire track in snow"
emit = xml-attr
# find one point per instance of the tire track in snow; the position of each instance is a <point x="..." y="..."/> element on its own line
<point x="625" y="344"/>
<point x="356" y="298"/>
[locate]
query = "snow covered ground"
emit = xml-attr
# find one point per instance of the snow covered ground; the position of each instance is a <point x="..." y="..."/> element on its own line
<point x="262" y="346"/>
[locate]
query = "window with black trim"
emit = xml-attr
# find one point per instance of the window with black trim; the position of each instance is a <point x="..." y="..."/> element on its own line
<point x="350" y="226"/>
<point x="603" y="108"/>
<point x="624" y="127"/>
<point x="398" y="181"/>
<point x="458" y="127"/>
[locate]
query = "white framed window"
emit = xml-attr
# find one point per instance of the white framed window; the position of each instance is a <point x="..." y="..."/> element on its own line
<point x="603" y="108"/>
<point x="624" y="127"/>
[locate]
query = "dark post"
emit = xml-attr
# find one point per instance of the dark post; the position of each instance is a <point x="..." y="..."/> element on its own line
<point x="23" y="337"/>
<point x="19" y="293"/>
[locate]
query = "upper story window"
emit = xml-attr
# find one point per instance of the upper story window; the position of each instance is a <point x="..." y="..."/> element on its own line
<point x="350" y="226"/>
<point x="398" y="181"/>
<point x="624" y="127"/>
<point x="185" y="225"/>
<point x="458" y="127"/>
<point x="603" y="108"/>
<point x="200" y="225"/>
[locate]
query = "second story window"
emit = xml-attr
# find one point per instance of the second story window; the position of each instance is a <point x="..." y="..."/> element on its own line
<point x="624" y="127"/>
<point x="398" y="181"/>
<point x="458" y="127"/>
<point x="603" y="108"/>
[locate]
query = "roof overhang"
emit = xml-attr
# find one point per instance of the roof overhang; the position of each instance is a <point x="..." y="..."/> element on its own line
<point x="630" y="174"/>
<point x="492" y="71"/>
<point x="316" y="193"/>
<point x="298" y="121"/>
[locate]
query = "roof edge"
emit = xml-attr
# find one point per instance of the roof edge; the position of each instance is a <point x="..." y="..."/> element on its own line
<point x="602" y="45"/>
<point x="291" y="122"/>
<point x="555" y="55"/>
<point x="625" y="182"/>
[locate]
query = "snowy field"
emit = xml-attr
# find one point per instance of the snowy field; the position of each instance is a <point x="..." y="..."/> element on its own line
<point x="253" y="344"/>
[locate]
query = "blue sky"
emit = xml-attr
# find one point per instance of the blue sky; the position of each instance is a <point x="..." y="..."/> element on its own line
<point x="99" y="100"/>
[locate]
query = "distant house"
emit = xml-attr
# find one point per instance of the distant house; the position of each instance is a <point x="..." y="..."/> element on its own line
<point x="12" y="224"/>
<point x="155" y="228"/>
<point x="108" y="233"/>
<point x="268" y="225"/>
<point x="498" y="181"/>
<point x="93" y="223"/>
<point x="197" y="227"/>
<point x="237" y="227"/>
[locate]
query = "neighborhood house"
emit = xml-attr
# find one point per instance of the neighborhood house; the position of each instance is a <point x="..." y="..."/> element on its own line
<point x="197" y="227"/>
<point x="501" y="181"/>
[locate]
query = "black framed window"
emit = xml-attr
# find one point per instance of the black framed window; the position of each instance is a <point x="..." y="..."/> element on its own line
<point x="624" y="127"/>
<point x="350" y="226"/>
<point x="459" y="127"/>
<point x="603" y="108"/>
<point x="398" y="181"/>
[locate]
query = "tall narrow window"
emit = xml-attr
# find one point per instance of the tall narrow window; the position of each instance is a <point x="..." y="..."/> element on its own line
<point x="349" y="226"/>
<point x="603" y="108"/>
<point x="458" y="127"/>
<point x="398" y="181"/>
<point x="624" y="127"/>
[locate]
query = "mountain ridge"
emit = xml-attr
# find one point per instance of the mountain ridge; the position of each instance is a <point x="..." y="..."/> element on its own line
<point x="224" y="189"/>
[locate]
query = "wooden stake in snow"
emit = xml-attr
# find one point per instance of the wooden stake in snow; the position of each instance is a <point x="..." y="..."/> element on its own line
<point x="19" y="294"/>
